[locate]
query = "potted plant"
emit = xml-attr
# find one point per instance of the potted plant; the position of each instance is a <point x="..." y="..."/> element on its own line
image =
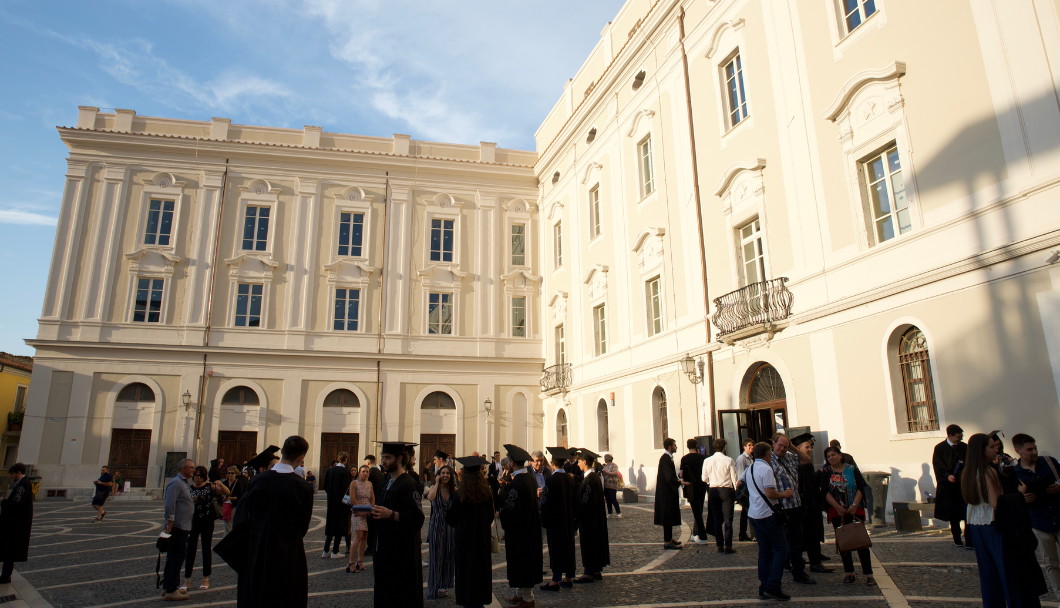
<point x="14" y="421"/>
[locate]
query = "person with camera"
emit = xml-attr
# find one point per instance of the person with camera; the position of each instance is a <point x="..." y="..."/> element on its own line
<point x="767" y="520"/>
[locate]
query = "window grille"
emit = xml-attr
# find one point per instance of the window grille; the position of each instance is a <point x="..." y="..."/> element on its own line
<point x="915" y="361"/>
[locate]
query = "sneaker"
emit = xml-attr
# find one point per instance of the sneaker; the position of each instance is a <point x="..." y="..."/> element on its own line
<point x="325" y="555"/>
<point x="700" y="541"/>
<point x="424" y="564"/>
<point x="618" y="516"/>
<point x="336" y="555"/>
<point x="609" y="516"/>
<point x="694" y="539"/>
<point x="774" y="594"/>
<point x="176" y="596"/>
<point x="104" y="514"/>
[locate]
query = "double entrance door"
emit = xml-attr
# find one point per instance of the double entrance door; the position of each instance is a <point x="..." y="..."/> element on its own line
<point x="759" y="424"/>
<point x="130" y="451"/>
<point x="430" y="443"/>
<point x="330" y="446"/>
<point x="236" y="447"/>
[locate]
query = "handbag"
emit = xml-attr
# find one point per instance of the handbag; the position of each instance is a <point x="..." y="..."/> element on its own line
<point x="346" y="500"/>
<point x="852" y="537"/>
<point x="226" y="511"/>
<point x="162" y="544"/>
<point x="778" y="513"/>
<point x="218" y="512"/>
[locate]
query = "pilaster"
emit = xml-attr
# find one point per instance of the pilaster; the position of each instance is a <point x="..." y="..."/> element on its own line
<point x="102" y="255"/>
<point x="67" y="246"/>
<point x="200" y="256"/>
<point x="397" y="262"/>
<point x="304" y="239"/>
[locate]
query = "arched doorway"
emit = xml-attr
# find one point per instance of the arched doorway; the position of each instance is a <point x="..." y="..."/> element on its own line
<point x="561" y="429"/>
<point x="603" y="439"/>
<point x="437" y="427"/>
<point x="764" y="409"/>
<point x="660" y="418"/>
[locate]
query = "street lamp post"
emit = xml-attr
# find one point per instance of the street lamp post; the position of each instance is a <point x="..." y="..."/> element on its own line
<point x="488" y="406"/>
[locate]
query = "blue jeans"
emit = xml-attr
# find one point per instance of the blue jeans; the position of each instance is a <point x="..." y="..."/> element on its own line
<point x="611" y="496"/>
<point x="178" y="551"/>
<point x="772" y="552"/>
<point x="995" y="580"/>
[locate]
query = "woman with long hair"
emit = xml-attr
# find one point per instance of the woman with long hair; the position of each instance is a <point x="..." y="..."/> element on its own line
<point x="843" y="488"/>
<point x="361" y="492"/>
<point x="440" y="535"/>
<point x="471" y="514"/>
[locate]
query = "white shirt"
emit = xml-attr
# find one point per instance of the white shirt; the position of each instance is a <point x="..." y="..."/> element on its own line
<point x="742" y="462"/>
<point x="281" y="467"/>
<point x="719" y="471"/>
<point x="300" y="471"/>
<point x="763" y="475"/>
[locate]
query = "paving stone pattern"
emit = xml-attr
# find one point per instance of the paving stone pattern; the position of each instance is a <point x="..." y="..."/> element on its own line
<point x="76" y="563"/>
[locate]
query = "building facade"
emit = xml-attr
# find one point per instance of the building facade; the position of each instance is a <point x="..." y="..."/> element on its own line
<point x="15" y="374"/>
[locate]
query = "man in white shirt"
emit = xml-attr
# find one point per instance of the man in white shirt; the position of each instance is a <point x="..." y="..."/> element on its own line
<point x="742" y="462"/>
<point x="719" y="472"/>
<point x="772" y="543"/>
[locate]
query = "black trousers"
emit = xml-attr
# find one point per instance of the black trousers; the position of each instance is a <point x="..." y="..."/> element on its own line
<point x="722" y="502"/>
<point x="955" y="530"/>
<point x="793" y="532"/>
<point x="848" y="558"/>
<point x="9" y="567"/>
<point x="338" y="541"/>
<point x="699" y="494"/>
<point x="743" y="518"/>
<point x="812" y="546"/>
<point x="178" y="550"/>
<point x="200" y="531"/>
<point x="371" y="536"/>
<point x="668" y="533"/>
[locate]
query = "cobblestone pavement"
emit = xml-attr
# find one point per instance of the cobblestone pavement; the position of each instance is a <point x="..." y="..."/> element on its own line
<point x="76" y="563"/>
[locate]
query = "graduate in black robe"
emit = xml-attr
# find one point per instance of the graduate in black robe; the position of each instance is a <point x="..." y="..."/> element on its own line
<point x="399" y="516"/>
<point x="812" y="505"/>
<point x="592" y="521"/>
<point x="16" y="519"/>
<point x="522" y="530"/>
<point x="949" y="504"/>
<point x="667" y="505"/>
<point x="273" y="518"/>
<point x="377" y="478"/>
<point x="572" y="467"/>
<point x="337" y="482"/>
<point x="471" y="514"/>
<point x="559" y="512"/>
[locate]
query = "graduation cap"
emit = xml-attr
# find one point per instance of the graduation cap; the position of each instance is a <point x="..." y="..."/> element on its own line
<point x="440" y="454"/>
<point x="517" y="453"/>
<point x="588" y="455"/>
<point x="396" y="448"/>
<point x="264" y="459"/>
<point x="472" y="462"/>
<point x="803" y="438"/>
<point x="559" y="453"/>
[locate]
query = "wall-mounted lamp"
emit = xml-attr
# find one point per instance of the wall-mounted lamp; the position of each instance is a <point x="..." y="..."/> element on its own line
<point x="488" y="405"/>
<point x="186" y="397"/>
<point x="1052" y="256"/>
<point x="688" y="364"/>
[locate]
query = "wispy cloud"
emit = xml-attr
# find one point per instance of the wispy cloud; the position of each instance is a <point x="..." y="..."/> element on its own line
<point x="14" y="216"/>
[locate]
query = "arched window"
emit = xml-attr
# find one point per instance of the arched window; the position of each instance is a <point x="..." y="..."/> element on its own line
<point x="561" y="428"/>
<point x="137" y="392"/>
<point x="915" y="362"/>
<point x="766" y="386"/>
<point x="342" y="397"/>
<point x="658" y="410"/>
<point x="603" y="439"/>
<point x="240" y="395"/>
<point x="438" y="401"/>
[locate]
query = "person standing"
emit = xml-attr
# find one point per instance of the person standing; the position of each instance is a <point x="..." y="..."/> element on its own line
<point x="1040" y="477"/>
<point x="812" y="504"/>
<point x="203" y="494"/>
<point x="522" y="531"/>
<point x="559" y="509"/>
<point x="592" y="521"/>
<point x="337" y="480"/>
<point x="785" y="463"/>
<point x="667" y="504"/>
<point x="237" y="486"/>
<point x="179" y="509"/>
<point x="362" y="493"/>
<point x="696" y="492"/>
<point x="471" y="515"/>
<point x="16" y="522"/>
<point x="277" y="509"/>
<point x="494" y="473"/>
<point x="612" y="484"/>
<point x="540" y="470"/>
<point x="742" y="495"/>
<point x="398" y="566"/>
<point x="842" y="486"/>
<point x="377" y="478"/>
<point x="765" y="515"/>
<point x="719" y="474"/>
<point x="104" y="485"/>
<point x="949" y="504"/>
<point x="440" y="535"/>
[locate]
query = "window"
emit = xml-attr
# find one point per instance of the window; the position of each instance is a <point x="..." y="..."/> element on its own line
<point x="347" y="309"/>
<point x="561" y="428"/>
<point x="240" y="395"/>
<point x="557" y="243"/>
<point x="857" y="11"/>
<point x="594" y="212"/>
<point x="148" y="301"/>
<point x="441" y="240"/>
<point x="159" y="223"/>
<point x="915" y="361"/>
<point x="351" y="234"/>
<point x="603" y="441"/>
<point x="655" y="321"/>
<point x="752" y="259"/>
<point x="248" y="304"/>
<point x="136" y="392"/>
<point x="600" y="329"/>
<point x="342" y="397"/>
<point x="440" y="313"/>
<point x="519" y="317"/>
<point x="734" y="91"/>
<point x="518" y="244"/>
<point x="20" y="398"/>
<point x="256" y="228"/>
<point x="887" y="202"/>
<point x="438" y="401"/>
<point x="647" y="179"/>
<point x="659" y="416"/>
<point x="561" y="346"/>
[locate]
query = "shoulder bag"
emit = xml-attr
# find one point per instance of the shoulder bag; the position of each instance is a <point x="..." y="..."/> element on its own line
<point x="778" y="513"/>
<point x="852" y="537"/>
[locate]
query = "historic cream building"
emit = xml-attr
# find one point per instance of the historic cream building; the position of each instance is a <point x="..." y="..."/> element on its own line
<point x="742" y="216"/>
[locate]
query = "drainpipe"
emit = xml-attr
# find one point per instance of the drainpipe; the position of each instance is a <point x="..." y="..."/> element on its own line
<point x="382" y="306"/>
<point x="699" y="224"/>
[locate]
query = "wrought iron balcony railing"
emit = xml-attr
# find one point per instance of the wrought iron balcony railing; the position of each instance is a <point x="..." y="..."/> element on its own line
<point x="757" y="304"/>
<point x="556" y="378"/>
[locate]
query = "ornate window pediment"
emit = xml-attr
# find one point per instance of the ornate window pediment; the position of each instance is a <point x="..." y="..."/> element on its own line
<point x="740" y="182"/>
<point x="443" y="200"/>
<point x="865" y="97"/>
<point x="518" y="205"/>
<point x="593" y="166"/>
<point x="146" y="260"/>
<point x="439" y="275"/>
<point x="349" y="272"/>
<point x="558" y="304"/>
<point x="635" y="124"/>
<point x="252" y="266"/>
<point x="519" y="280"/>
<point x="648" y="245"/>
<point x="596" y="280"/>
<point x="260" y="187"/>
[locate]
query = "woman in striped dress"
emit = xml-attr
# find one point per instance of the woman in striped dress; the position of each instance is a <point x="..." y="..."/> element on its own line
<point x="440" y="535"/>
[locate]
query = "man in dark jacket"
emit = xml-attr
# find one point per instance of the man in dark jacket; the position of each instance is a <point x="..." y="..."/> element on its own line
<point x="16" y="520"/>
<point x="947" y="460"/>
<point x="667" y="504"/>
<point x="399" y="514"/>
<point x="337" y="482"/>
<point x="696" y="493"/>
<point x="559" y="511"/>
<point x="522" y="530"/>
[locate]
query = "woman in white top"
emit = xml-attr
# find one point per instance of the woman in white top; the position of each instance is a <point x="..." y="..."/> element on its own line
<point x="981" y="487"/>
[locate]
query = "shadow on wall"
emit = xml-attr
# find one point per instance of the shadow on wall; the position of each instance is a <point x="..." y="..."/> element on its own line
<point x="638" y="477"/>
<point x="926" y="482"/>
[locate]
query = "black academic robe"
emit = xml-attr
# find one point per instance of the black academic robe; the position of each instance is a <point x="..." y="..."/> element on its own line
<point x="812" y="503"/>
<point x="474" y="562"/>
<point x="16" y="519"/>
<point x="667" y="504"/>
<point x="396" y="555"/>
<point x="1018" y="544"/>
<point x="337" y="482"/>
<point x="559" y="512"/>
<point x="522" y="531"/>
<point x="278" y="508"/>
<point x="949" y="505"/>
<point x="592" y="522"/>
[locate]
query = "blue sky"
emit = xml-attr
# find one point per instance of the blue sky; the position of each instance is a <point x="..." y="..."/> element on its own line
<point x="457" y="71"/>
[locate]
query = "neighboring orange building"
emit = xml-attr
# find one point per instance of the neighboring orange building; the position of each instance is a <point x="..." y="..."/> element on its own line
<point x="15" y="372"/>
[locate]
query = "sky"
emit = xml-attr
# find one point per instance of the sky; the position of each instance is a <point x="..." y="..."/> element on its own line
<point x="459" y="71"/>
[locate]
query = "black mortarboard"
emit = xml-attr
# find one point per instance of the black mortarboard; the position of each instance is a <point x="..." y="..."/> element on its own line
<point x="396" y="448"/>
<point x="440" y="454"/>
<point x="264" y="459"/>
<point x="469" y="462"/>
<point x="588" y="455"/>
<point x="559" y="453"/>
<point x="517" y="453"/>
<point x="801" y="439"/>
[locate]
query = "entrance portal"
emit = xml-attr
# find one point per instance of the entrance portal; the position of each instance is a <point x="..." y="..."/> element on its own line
<point x="766" y="413"/>
<point x="130" y="450"/>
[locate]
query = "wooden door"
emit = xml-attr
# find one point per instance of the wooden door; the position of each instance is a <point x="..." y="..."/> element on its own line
<point x="130" y="450"/>
<point x="330" y="446"/>
<point x="430" y="443"/>
<point x="235" y="447"/>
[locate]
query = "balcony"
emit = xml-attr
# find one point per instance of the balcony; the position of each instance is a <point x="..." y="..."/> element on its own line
<point x="755" y="309"/>
<point x="555" y="379"/>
